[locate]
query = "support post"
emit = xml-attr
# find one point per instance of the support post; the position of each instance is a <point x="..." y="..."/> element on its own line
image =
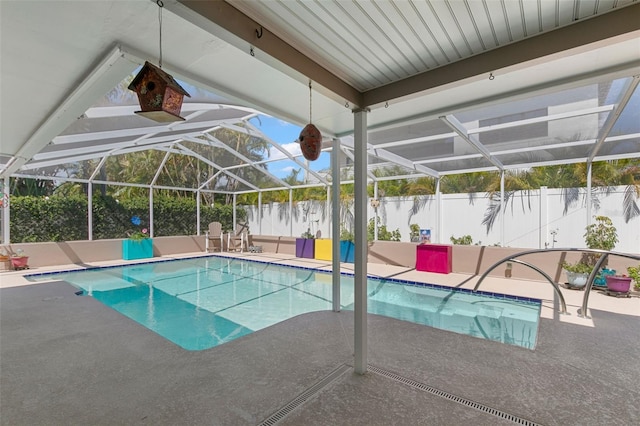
<point x="90" y="210"/>
<point x="198" y="203"/>
<point x="329" y="222"/>
<point x="438" y="238"/>
<point x="291" y="212"/>
<point x="544" y="218"/>
<point x="259" y="213"/>
<point x="375" y="211"/>
<point x="150" y="212"/>
<point x="235" y="217"/>
<point x="335" y="224"/>
<point x="502" y="204"/>
<point x="589" y="167"/>
<point x="360" y="261"/>
<point x="6" y="211"/>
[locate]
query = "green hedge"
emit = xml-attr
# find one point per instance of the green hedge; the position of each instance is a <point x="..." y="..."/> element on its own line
<point x="42" y="219"/>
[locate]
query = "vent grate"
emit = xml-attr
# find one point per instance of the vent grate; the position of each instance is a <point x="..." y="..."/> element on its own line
<point x="304" y="396"/>
<point x="451" y="397"/>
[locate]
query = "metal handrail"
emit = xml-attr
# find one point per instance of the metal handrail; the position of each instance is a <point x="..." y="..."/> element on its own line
<point x="582" y="312"/>
<point x="563" y="305"/>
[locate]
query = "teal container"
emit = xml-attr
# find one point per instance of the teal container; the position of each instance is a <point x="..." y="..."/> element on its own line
<point x="600" y="279"/>
<point x="347" y="252"/>
<point x="137" y="249"/>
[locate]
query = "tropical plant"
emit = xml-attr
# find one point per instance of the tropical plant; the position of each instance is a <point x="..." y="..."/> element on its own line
<point x="465" y="240"/>
<point x="578" y="267"/>
<point x="601" y="235"/>
<point x="307" y="235"/>
<point x="383" y="233"/>
<point x="346" y="235"/>
<point x="414" y="232"/>
<point x="634" y="273"/>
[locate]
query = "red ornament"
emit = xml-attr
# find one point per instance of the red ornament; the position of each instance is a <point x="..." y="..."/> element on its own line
<point x="310" y="142"/>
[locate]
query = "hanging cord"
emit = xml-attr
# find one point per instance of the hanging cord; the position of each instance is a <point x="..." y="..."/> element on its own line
<point x="310" y="101"/>
<point x="160" y="6"/>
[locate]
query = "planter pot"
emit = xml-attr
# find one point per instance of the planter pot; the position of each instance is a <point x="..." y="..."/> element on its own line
<point x="600" y="279"/>
<point x="324" y="250"/>
<point x="305" y="248"/>
<point x="577" y="279"/>
<point x="619" y="284"/>
<point x="137" y="249"/>
<point x="434" y="258"/>
<point x="347" y="252"/>
<point x="20" y="262"/>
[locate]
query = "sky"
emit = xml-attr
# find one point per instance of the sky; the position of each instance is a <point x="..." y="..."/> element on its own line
<point x="286" y="134"/>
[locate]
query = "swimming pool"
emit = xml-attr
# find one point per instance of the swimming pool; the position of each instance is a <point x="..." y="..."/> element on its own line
<point x="203" y="302"/>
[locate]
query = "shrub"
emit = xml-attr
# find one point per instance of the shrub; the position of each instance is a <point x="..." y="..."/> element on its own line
<point x="465" y="240"/>
<point x="58" y="218"/>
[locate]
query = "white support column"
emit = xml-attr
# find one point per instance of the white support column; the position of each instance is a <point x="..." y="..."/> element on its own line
<point x="198" y="203"/>
<point x="335" y="221"/>
<point x="438" y="237"/>
<point x="259" y="213"/>
<point x="6" y="211"/>
<point x="235" y="217"/>
<point x="360" y="261"/>
<point x="150" y="212"/>
<point x="589" y="165"/>
<point x="502" y="204"/>
<point x="329" y="222"/>
<point x="90" y="210"/>
<point x="375" y="211"/>
<point x="544" y="218"/>
<point x="291" y="212"/>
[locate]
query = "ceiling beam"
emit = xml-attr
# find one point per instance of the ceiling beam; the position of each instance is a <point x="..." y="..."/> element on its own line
<point x="621" y="22"/>
<point x="224" y="21"/>
<point x="472" y="140"/>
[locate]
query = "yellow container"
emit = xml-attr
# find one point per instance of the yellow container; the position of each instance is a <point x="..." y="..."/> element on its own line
<point x="323" y="249"/>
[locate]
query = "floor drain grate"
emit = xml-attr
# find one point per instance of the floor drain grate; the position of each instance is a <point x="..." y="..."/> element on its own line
<point x="304" y="396"/>
<point x="451" y="397"/>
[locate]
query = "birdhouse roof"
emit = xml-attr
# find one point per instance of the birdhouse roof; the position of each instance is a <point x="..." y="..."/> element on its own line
<point x="167" y="78"/>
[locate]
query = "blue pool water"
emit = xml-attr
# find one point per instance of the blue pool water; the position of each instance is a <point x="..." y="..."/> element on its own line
<point x="203" y="302"/>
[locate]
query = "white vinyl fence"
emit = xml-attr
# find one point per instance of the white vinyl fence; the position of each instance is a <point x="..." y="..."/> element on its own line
<point x="532" y="219"/>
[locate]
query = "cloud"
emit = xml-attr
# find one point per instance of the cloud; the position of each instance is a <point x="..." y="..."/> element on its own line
<point x="293" y="148"/>
<point x="288" y="169"/>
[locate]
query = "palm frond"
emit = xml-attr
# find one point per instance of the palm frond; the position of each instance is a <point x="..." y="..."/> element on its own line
<point x="629" y="206"/>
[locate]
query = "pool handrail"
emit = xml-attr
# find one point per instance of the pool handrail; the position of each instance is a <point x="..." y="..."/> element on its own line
<point x="582" y="312"/>
<point x="563" y="305"/>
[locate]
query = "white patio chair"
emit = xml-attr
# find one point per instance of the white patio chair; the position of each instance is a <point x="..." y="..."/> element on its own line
<point x="214" y="237"/>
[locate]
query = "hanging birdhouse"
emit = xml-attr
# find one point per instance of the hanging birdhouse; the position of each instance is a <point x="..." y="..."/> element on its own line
<point x="159" y="95"/>
<point x="310" y="142"/>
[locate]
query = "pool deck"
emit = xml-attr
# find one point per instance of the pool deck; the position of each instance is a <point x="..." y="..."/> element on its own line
<point x="70" y="360"/>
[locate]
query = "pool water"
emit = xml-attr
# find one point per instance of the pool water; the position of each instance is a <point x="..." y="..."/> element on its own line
<point x="203" y="302"/>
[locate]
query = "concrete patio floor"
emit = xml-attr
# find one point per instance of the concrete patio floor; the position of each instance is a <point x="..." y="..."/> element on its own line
<point x="67" y="360"/>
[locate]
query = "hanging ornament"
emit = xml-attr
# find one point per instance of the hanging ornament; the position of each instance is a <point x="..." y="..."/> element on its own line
<point x="159" y="95"/>
<point x="310" y="138"/>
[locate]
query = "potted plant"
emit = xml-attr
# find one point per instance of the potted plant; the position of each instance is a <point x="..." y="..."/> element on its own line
<point x="601" y="235"/>
<point x="347" y="248"/>
<point x="618" y="283"/>
<point x="19" y="260"/>
<point x="138" y="245"/>
<point x="634" y="274"/>
<point x="577" y="273"/>
<point x="305" y="245"/>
